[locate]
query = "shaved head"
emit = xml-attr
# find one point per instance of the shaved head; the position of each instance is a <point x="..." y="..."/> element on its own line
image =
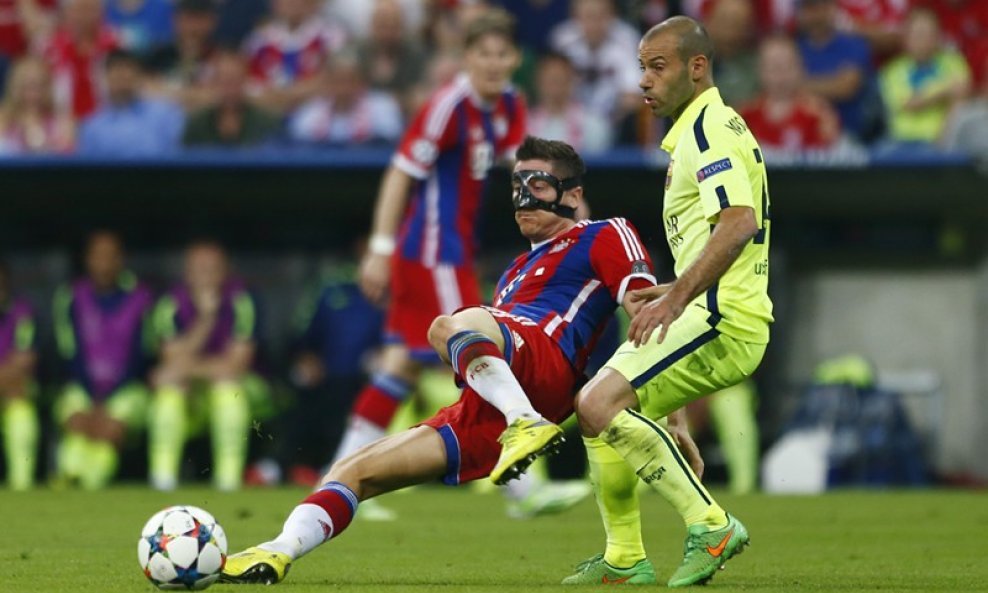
<point x="691" y="37"/>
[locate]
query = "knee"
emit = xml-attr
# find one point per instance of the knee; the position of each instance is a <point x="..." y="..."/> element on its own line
<point x="441" y="330"/>
<point x="346" y="472"/>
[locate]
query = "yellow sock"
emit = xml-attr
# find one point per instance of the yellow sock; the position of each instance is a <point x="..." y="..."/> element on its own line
<point x="614" y="486"/>
<point x="648" y="447"/>
<point x="166" y="436"/>
<point x="20" y="442"/>
<point x="101" y="465"/>
<point x="72" y="455"/>
<point x="733" y="414"/>
<point x="229" y="415"/>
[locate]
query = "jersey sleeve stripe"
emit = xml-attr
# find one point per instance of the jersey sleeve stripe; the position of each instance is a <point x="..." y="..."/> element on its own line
<point x="722" y="197"/>
<point x="699" y="134"/>
<point x="624" y="240"/>
<point x="627" y="280"/>
<point x="636" y="246"/>
<point x="440" y="113"/>
<point x="408" y="166"/>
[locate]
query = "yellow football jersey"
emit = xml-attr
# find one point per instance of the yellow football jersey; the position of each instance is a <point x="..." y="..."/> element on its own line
<point x="716" y="163"/>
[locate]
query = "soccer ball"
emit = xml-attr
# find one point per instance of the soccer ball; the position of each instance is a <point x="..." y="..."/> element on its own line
<point x="182" y="547"/>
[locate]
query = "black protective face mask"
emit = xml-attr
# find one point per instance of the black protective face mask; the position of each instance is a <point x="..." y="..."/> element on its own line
<point x="524" y="200"/>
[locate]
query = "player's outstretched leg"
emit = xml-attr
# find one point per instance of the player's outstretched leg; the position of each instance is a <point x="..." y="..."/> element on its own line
<point x="472" y="342"/>
<point x="411" y="457"/>
<point x="605" y="406"/>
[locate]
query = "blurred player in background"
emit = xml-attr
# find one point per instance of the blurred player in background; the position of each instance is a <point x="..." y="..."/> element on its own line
<point x="551" y="305"/>
<point x="705" y="331"/>
<point x="208" y="329"/>
<point x="420" y="258"/>
<point x="18" y="414"/>
<point x="103" y="334"/>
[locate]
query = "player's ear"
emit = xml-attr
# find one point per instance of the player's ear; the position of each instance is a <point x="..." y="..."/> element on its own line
<point x="699" y="67"/>
<point x="573" y="197"/>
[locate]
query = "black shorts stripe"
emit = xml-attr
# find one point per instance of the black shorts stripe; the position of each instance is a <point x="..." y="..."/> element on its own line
<point x="675" y="453"/>
<point x="699" y="134"/>
<point x="673" y="358"/>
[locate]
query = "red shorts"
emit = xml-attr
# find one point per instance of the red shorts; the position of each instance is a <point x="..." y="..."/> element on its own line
<point x="419" y="295"/>
<point x="470" y="427"/>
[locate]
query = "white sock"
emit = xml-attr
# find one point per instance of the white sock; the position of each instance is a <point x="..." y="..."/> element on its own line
<point x="491" y="377"/>
<point x="520" y="489"/>
<point x="359" y="433"/>
<point x="302" y="532"/>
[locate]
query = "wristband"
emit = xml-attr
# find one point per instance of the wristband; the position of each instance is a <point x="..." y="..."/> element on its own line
<point x="381" y="245"/>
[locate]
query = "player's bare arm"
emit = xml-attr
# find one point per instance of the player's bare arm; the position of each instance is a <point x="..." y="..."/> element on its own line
<point x="375" y="266"/>
<point x="679" y="431"/>
<point x="735" y="227"/>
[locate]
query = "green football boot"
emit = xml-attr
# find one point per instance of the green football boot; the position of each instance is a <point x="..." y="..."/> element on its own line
<point x="596" y="571"/>
<point x="706" y="551"/>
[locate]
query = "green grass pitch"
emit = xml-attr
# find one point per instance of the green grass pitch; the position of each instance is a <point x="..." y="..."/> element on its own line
<point x="456" y="540"/>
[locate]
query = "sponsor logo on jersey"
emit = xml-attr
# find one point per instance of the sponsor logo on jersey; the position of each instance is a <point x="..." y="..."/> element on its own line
<point x="640" y="267"/>
<point x="560" y="246"/>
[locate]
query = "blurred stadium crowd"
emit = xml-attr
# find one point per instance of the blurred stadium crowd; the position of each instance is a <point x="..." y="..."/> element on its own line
<point x="148" y="77"/>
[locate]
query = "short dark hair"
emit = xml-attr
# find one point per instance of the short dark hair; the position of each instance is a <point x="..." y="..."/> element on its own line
<point x="122" y="57"/>
<point x="495" y="21"/>
<point x="199" y="6"/>
<point x="691" y="37"/>
<point x="564" y="159"/>
<point x="555" y="56"/>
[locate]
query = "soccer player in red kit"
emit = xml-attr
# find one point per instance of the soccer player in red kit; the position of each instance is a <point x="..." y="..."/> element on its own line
<point x="552" y="303"/>
<point x="421" y="251"/>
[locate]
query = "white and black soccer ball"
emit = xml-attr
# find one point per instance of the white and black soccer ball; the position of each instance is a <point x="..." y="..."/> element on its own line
<point x="182" y="547"/>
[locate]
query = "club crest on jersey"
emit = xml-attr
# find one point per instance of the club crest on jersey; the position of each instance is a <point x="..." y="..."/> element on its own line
<point x="476" y="134"/>
<point x="713" y="169"/>
<point x="561" y="245"/>
<point x="500" y="126"/>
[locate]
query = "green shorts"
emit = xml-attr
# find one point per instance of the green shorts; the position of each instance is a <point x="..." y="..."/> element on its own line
<point x="694" y="360"/>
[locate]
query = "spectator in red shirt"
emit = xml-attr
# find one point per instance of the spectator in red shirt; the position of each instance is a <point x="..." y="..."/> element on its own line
<point x="21" y="21"/>
<point x="287" y="54"/>
<point x="785" y="117"/>
<point x="29" y="122"/>
<point x="75" y="53"/>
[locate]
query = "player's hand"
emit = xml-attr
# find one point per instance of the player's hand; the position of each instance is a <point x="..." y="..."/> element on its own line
<point x="308" y="370"/>
<point x="649" y="294"/>
<point x="688" y="447"/>
<point x="656" y="314"/>
<point x="375" y="274"/>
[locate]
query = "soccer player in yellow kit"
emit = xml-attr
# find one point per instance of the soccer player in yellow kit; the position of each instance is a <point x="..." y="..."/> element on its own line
<point x="703" y="332"/>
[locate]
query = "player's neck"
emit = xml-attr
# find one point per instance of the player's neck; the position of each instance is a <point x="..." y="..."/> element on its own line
<point x="702" y="86"/>
<point x="560" y="228"/>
